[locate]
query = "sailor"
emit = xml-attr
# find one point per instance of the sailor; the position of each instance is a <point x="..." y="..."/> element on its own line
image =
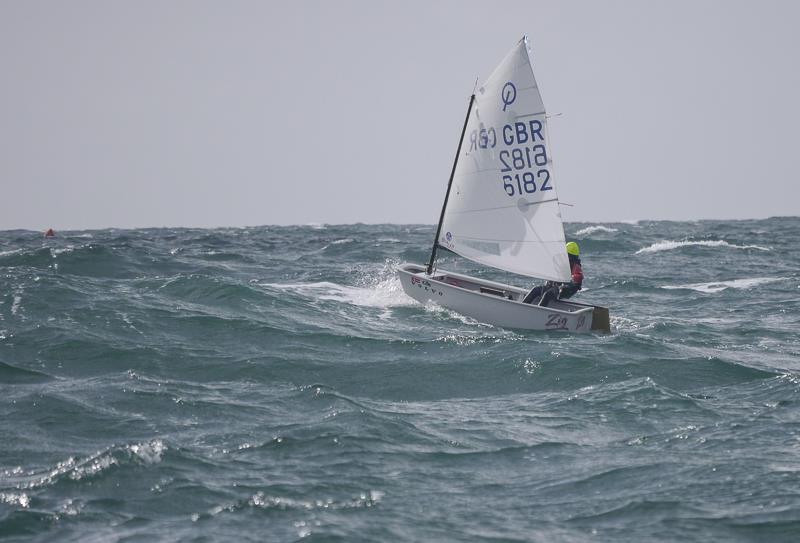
<point x="560" y="291"/>
<point x="567" y="290"/>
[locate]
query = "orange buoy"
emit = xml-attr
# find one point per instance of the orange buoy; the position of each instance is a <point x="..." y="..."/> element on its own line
<point x="50" y="233"/>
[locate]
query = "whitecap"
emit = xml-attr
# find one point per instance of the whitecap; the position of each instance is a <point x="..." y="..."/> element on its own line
<point x="386" y="293"/>
<point x="12" y="498"/>
<point x="342" y="241"/>
<point x="589" y="230"/>
<point x="624" y="324"/>
<point x="436" y="309"/>
<point x="93" y="466"/>
<point x="376" y="289"/>
<point x="264" y="501"/>
<point x="668" y="245"/>
<point x="55" y="252"/>
<point x="149" y="452"/>
<point x="144" y="453"/>
<point x="718" y="286"/>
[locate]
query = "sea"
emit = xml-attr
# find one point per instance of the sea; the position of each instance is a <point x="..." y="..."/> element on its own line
<point x="274" y="383"/>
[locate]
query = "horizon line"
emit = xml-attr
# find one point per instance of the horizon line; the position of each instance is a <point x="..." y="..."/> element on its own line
<point x="312" y="224"/>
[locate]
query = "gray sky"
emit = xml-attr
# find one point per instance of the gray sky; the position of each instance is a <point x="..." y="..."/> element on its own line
<point x="200" y="113"/>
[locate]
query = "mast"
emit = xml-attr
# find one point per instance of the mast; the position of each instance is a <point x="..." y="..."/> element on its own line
<point x="449" y="184"/>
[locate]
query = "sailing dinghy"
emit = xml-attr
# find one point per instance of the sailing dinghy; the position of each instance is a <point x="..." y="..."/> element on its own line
<point x="501" y="209"/>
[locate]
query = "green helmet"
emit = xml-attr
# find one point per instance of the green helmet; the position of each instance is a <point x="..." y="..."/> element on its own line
<point x="572" y="249"/>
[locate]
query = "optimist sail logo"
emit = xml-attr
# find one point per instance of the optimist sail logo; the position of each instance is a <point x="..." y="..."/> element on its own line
<point x="509" y="94"/>
<point x="447" y="240"/>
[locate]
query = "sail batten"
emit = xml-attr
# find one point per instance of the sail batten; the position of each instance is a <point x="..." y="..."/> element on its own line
<point x="505" y="211"/>
<point x="532" y="114"/>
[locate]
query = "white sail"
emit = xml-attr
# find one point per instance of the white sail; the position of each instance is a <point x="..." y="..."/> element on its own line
<point x="503" y="208"/>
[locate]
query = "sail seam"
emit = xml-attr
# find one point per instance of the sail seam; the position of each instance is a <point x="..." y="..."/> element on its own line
<point x="513" y="240"/>
<point x="473" y="172"/>
<point x="528" y="204"/>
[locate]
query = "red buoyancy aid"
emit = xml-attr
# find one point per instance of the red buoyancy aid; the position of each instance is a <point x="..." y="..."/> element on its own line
<point x="577" y="274"/>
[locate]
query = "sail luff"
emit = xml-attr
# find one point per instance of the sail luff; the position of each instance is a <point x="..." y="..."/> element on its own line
<point x="449" y="185"/>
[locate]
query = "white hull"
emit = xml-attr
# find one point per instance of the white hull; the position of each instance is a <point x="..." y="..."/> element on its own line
<point x="498" y="304"/>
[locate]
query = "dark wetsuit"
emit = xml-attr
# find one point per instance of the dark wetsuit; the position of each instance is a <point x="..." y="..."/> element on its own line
<point x="560" y="291"/>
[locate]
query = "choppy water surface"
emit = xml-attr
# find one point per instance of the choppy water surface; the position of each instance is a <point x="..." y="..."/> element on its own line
<point x="275" y="383"/>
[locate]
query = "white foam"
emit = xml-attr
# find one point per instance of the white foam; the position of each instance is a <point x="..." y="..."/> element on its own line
<point x="15" y="499"/>
<point x="341" y="241"/>
<point x="668" y="245"/>
<point x="15" y="304"/>
<point x="149" y="452"/>
<point x="589" y="230"/>
<point x="378" y="289"/>
<point x="55" y="252"/>
<point x="93" y="466"/>
<point x="624" y="324"/>
<point x="718" y="286"/>
<point x="432" y="307"/>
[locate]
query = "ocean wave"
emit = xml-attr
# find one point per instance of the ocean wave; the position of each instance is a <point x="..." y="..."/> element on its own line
<point x="14" y="374"/>
<point x="589" y="230"/>
<point x="263" y="501"/>
<point x="386" y="293"/>
<point x="624" y="324"/>
<point x="146" y="453"/>
<point x="16" y="303"/>
<point x="379" y="288"/>
<point x="466" y="339"/>
<point x="718" y="286"/>
<point x="448" y="314"/>
<point x="66" y="250"/>
<point x="668" y="245"/>
<point x="14" y="499"/>
<point x="296" y="390"/>
<point x="38" y="257"/>
<point x="335" y="243"/>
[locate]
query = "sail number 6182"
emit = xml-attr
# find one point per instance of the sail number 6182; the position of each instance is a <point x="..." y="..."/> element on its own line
<point x="526" y="183"/>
